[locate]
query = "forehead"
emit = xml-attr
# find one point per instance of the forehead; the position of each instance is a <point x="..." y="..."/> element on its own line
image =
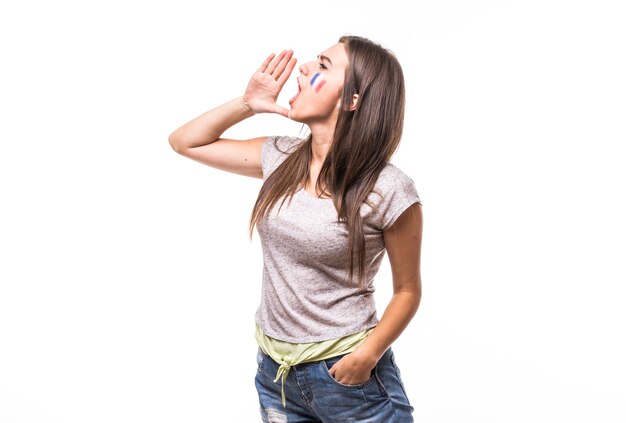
<point x="337" y="54"/>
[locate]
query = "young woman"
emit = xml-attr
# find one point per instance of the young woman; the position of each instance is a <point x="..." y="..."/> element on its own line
<point x="329" y="208"/>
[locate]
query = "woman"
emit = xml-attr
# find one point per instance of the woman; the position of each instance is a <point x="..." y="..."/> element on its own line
<point x="329" y="207"/>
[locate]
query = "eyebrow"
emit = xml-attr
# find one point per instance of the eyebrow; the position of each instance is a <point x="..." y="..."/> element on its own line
<point x="325" y="58"/>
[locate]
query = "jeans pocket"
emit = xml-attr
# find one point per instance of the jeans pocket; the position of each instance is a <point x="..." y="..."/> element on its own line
<point x="327" y="364"/>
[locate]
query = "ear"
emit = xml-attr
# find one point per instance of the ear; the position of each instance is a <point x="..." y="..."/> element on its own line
<point x="355" y="102"/>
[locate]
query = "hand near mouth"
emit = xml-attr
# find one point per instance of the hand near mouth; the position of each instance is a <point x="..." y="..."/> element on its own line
<point x="267" y="82"/>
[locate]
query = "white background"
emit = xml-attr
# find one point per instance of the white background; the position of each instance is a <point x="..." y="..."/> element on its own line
<point x="128" y="284"/>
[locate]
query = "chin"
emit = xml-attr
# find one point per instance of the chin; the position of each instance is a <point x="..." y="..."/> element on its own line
<point x="294" y="116"/>
<point x="297" y="116"/>
<point x="311" y="117"/>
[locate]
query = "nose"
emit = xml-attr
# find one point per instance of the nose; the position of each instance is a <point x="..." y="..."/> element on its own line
<point x="303" y="68"/>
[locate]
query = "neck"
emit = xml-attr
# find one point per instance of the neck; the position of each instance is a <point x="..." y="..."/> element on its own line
<point x="321" y="140"/>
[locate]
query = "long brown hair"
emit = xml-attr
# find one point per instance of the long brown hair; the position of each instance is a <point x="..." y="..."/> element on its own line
<point x="363" y="143"/>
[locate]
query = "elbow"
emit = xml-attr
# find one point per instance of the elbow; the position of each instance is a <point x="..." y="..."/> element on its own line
<point x="418" y="294"/>
<point x="175" y="143"/>
<point x="418" y="301"/>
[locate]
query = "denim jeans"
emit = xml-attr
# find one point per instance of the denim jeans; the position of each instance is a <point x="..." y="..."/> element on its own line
<point x="313" y="395"/>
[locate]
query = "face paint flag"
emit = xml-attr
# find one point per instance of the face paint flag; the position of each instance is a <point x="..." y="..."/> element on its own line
<point x="317" y="82"/>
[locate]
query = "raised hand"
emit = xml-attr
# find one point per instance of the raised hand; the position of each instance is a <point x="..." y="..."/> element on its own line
<point x="267" y="82"/>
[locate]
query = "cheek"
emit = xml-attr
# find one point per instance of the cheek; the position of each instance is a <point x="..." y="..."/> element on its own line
<point x="317" y="82"/>
<point x="326" y="100"/>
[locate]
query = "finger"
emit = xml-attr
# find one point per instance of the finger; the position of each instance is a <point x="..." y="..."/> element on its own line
<point x="281" y="111"/>
<point x="333" y="370"/>
<point x="282" y="64"/>
<point x="337" y="377"/>
<point x="285" y="75"/>
<point x="274" y="63"/>
<point x="266" y="62"/>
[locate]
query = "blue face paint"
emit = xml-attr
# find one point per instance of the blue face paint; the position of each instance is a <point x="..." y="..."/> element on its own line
<point x="317" y="82"/>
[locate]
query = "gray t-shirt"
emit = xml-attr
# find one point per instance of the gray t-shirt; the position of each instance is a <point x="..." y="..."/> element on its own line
<point x="306" y="295"/>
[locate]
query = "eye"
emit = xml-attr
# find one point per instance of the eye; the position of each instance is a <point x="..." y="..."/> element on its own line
<point x="322" y="65"/>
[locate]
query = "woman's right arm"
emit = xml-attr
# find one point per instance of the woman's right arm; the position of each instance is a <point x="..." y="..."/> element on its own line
<point x="200" y="139"/>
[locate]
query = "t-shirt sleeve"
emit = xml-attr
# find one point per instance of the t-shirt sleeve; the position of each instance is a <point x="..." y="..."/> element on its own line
<point x="274" y="151"/>
<point x="396" y="192"/>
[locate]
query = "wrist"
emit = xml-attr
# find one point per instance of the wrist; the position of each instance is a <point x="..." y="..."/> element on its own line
<point x="367" y="354"/>
<point x="244" y="106"/>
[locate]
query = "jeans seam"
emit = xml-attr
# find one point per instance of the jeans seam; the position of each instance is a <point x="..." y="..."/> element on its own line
<point x="388" y="397"/>
<point x="295" y="377"/>
<point x="383" y="390"/>
<point x="397" y="370"/>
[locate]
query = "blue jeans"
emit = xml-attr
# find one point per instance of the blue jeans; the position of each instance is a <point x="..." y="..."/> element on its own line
<point x="314" y="396"/>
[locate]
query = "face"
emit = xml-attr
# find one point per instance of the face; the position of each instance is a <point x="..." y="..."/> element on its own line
<point x="319" y="87"/>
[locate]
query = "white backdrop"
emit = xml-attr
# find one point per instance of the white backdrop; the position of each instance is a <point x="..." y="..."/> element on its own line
<point x="128" y="284"/>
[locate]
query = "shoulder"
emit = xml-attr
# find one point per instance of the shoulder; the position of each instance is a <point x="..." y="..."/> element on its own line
<point x="391" y="180"/>
<point x="391" y="175"/>
<point x="393" y="192"/>
<point x="275" y="150"/>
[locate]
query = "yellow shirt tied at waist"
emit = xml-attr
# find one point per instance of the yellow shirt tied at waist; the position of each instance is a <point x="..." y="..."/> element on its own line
<point x="288" y="354"/>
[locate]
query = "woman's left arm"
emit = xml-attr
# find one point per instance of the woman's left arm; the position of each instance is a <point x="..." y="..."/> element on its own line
<point x="403" y="241"/>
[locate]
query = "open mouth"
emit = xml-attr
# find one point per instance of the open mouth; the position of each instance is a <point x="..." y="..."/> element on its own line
<point x="297" y="94"/>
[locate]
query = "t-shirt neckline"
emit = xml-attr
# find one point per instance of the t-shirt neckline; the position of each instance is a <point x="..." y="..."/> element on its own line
<point x="311" y="196"/>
